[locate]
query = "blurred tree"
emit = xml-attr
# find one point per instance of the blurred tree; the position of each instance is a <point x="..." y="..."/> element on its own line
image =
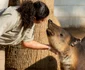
<point x="13" y="2"/>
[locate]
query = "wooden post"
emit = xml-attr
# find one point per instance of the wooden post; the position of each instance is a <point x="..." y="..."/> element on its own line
<point x="29" y="59"/>
<point x="12" y="2"/>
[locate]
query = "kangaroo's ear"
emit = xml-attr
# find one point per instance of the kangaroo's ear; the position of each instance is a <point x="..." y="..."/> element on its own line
<point x="74" y="41"/>
<point x="83" y="39"/>
<point x="82" y="42"/>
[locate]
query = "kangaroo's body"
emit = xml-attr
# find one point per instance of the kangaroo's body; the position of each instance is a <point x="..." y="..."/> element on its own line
<point x="70" y="49"/>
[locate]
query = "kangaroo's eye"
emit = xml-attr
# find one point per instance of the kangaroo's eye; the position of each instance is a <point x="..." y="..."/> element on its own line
<point x="61" y="35"/>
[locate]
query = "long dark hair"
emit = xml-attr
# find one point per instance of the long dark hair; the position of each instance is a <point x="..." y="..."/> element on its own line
<point x="42" y="10"/>
<point x="29" y="11"/>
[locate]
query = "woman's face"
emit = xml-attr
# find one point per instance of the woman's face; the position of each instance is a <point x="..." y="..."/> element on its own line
<point x="39" y="21"/>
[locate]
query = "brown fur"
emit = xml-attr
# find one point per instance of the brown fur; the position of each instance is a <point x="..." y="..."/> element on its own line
<point x="70" y="49"/>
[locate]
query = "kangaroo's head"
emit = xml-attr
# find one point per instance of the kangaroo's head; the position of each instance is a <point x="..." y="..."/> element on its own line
<point x="58" y="38"/>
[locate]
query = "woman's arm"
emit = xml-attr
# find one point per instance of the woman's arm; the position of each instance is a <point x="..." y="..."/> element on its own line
<point x="35" y="45"/>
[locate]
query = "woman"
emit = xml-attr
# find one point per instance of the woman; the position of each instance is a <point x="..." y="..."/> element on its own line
<point x="17" y="24"/>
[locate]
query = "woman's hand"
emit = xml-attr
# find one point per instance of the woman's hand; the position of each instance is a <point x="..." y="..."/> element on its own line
<point x="35" y="45"/>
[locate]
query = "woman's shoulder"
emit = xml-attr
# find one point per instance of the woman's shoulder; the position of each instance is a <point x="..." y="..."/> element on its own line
<point x="10" y="17"/>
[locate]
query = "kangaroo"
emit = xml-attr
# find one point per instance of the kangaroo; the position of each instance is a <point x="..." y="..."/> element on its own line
<point x="70" y="49"/>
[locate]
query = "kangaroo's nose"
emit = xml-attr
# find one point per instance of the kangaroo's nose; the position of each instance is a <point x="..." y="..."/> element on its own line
<point x="49" y="21"/>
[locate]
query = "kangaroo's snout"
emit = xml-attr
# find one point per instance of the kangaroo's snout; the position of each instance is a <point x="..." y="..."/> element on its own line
<point x="50" y="23"/>
<point x="49" y="30"/>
